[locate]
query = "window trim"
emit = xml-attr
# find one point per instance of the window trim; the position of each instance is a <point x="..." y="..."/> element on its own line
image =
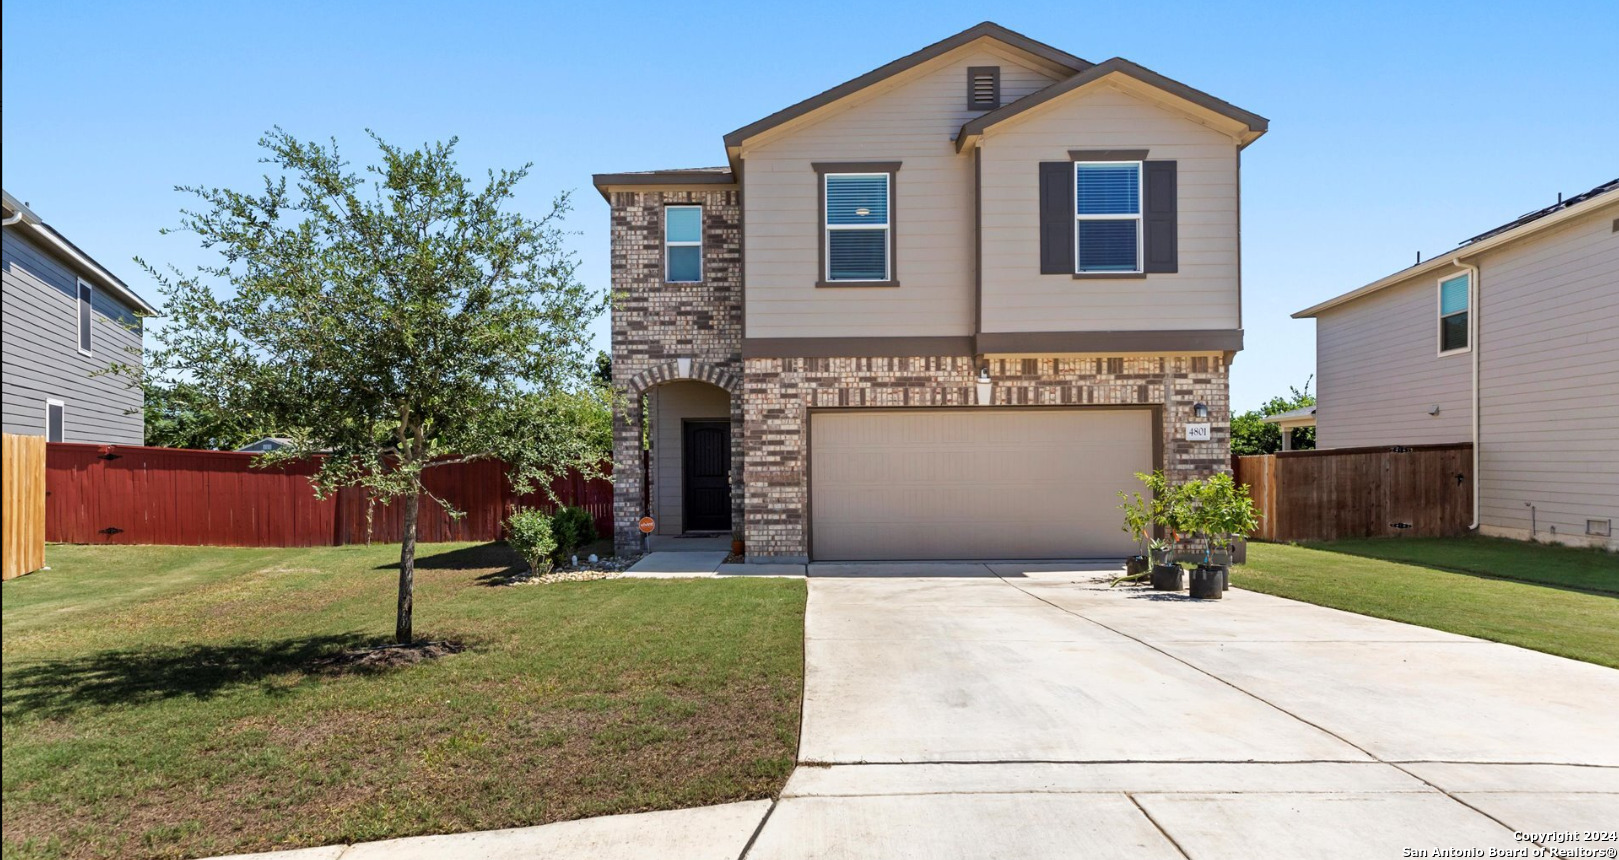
<point x="823" y="170"/>
<point x="1440" y="316"/>
<point x="85" y="293"/>
<point x="702" y="269"/>
<point x="49" y="402"/>
<point x="1139" y="217"/>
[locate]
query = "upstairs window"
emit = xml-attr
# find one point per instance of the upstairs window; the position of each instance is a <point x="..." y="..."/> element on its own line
<point x="85" y="295"/>
<point x="1454" y="300"/>
<point x="983" y="87"/>
<point x="683" y="244"/>
<point x="55" y="418"/>
<point x="858" y="230"/>
<point x="1107" y="212"/>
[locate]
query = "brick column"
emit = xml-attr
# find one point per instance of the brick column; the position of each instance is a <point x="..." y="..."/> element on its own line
<point x="628" y="478"/>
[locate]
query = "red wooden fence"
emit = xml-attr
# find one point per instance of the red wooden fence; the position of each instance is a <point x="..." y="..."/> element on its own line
<point x="133" y="495"/>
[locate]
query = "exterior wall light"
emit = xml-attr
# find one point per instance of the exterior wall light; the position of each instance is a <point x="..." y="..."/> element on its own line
<point x="985" y="388"/>
<point x="1200" y="410"/>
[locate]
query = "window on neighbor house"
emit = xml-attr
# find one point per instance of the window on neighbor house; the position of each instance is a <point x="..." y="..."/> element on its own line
<point x="1107" y="216"/>
<point x="683" y="244"/>
<point x="55" y="415"/>
<point x="1453" y="313"/>
<point x="85" y="294"/>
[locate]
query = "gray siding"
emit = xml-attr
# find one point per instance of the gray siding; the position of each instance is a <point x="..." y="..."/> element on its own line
<point x="1547" y="311"/>
<point x="1549" y="381"/>
<point x="1379" y="372"/>
<point x="41" y="355"/>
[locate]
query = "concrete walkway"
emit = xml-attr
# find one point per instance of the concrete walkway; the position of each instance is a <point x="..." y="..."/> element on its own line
<point x="1013" y="710"/>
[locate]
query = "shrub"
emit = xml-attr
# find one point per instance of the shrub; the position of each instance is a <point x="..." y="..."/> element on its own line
<point x="529" y="531"/>
<point x="573" y="527"/>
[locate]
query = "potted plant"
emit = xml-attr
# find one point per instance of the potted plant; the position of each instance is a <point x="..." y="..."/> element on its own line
<point x="1167" y="512"/>
<point x="1138" y="522"/>
<point x="1224" y="512"/>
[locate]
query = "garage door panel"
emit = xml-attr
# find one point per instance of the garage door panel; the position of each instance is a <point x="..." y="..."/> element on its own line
<point x="1032" y="483"/>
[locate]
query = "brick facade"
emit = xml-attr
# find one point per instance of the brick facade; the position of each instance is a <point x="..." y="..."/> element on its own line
<point x="777" y="395"/>
<point x="662" y="332"/>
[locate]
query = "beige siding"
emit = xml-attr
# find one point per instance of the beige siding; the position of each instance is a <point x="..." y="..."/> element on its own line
<point x="674" y="403"/>
<point x="1549" y="381"/>
<point x="914" y="121"/>
<point x="1379" y="372"/>
<point x="1203" y="294"/>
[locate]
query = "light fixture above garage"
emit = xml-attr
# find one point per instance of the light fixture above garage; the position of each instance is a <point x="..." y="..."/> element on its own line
<point x="1200" y="410"/>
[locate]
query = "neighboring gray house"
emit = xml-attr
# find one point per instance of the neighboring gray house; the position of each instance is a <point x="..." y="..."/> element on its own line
<point x="1506" y="342"/>
<point x="943" y="310"/>
<point x="65" y="317"/>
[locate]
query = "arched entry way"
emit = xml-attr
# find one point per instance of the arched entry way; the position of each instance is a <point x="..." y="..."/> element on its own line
<point x="676" y="453"/>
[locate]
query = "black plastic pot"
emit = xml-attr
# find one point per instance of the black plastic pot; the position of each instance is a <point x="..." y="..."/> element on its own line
<point x="1205" y="583"/>
<point x="1135" y="564"/>
<point x="1166" y="577"/>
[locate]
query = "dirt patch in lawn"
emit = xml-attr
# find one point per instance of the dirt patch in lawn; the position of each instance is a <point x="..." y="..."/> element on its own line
<point x="381" y="657"/>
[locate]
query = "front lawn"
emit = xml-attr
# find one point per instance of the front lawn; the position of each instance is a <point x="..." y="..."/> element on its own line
<point x="165" y="702"/>
<point x="1557" y="620"/>
<point x="1591" y="569"/>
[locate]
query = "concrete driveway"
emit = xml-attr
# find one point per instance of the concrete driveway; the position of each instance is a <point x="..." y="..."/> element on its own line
<point x="1027" y="711"/>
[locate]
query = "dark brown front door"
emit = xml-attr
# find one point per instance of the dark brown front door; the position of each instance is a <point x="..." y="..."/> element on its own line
<point x="707" y="471"/>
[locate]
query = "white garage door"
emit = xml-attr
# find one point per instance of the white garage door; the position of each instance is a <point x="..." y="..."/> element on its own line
<point x="958" y="483"/>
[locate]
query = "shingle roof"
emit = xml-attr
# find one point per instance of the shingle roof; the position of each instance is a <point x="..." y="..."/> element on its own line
<point x="1536" y="215"/>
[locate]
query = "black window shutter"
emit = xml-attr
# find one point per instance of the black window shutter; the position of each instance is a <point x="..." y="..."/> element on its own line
<point x="1158" y="218"/>
<point x="1056" y="217"/>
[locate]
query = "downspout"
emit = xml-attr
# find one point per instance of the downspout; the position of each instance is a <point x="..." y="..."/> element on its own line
<point x="1472" y="341"/>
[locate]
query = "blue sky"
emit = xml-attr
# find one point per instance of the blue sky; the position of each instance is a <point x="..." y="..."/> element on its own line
<point x="1396" y="127"/>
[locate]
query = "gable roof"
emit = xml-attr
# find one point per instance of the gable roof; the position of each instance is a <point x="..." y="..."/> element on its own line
<point x="85" y="265"/>
<point x="1520" y="228"/>
<point x="975" y="127"/>
<point x="987" y="29"/>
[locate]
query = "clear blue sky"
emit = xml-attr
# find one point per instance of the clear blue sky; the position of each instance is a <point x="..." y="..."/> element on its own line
<point x="1396" y="127"/>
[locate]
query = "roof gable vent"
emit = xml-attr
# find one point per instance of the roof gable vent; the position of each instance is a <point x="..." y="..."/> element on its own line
<point x="983" y="87"/>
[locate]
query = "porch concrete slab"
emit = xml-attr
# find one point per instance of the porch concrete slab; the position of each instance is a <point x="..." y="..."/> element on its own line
<point x="1468" y="701"/>
<point x="1103" y="777"/>
<point x="1245" y="826"/>
<point x="677" y="564"/>
<point x="1570" y="814"/>
<point x="960" y="826"/>
<point x="689" y="543"/>
<point x="1551" y="778"/>
<point x="1014" y="700"/>
<point x="793" y="570"/>
<point x="703" y="833"/>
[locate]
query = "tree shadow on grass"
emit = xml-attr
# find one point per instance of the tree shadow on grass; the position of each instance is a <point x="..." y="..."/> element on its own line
<point x="126" y="677"/>
<point x="484" y="556"/>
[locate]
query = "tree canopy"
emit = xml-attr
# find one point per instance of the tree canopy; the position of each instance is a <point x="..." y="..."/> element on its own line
<point x="400" y="318"/>
<point x="1251" y="435"/>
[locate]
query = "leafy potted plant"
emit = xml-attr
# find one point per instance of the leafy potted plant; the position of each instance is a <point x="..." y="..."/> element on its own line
<point x="1138" y="522"/>
<point x="1167" y="512"/>
<point x="1224" y="512"/>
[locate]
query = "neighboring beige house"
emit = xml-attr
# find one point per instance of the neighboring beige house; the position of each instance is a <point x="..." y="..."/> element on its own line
<point x="943" y="310"/>
<point x="1507" y="342"/>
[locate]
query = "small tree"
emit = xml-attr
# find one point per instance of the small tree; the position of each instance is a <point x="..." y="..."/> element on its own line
<point x="530" y="533"/>
<point x="1251" y="434"/>
<point x="403" y="320"/>
<point x="1223" y="511"/>
<point x="1137" y="517"/>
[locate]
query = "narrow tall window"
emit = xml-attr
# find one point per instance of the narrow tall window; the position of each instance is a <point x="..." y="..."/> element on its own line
<point x="84" y="317"/>
<point x="55" y="414"/>
<point x="1107" y="212"/>
<point x="1453" y="313"/>
<point x="857" y="227"/>
<point x="683" y="244"/>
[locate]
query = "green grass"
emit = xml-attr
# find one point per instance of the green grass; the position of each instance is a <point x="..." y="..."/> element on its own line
<point x="1557" y="620"/>
<point x="160" y="701"/>
<point x="1591" y="569"/>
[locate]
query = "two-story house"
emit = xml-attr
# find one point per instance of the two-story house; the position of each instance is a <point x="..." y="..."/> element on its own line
<point x="1505" y="342"/>
<point x="66" y="318"/>
<point x="943" y="310"/>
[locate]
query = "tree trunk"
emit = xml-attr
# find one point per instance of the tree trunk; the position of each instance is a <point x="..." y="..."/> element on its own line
<point x="407" y="571"/>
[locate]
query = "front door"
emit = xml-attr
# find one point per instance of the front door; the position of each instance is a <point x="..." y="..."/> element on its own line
<point x="707" y="470"/>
